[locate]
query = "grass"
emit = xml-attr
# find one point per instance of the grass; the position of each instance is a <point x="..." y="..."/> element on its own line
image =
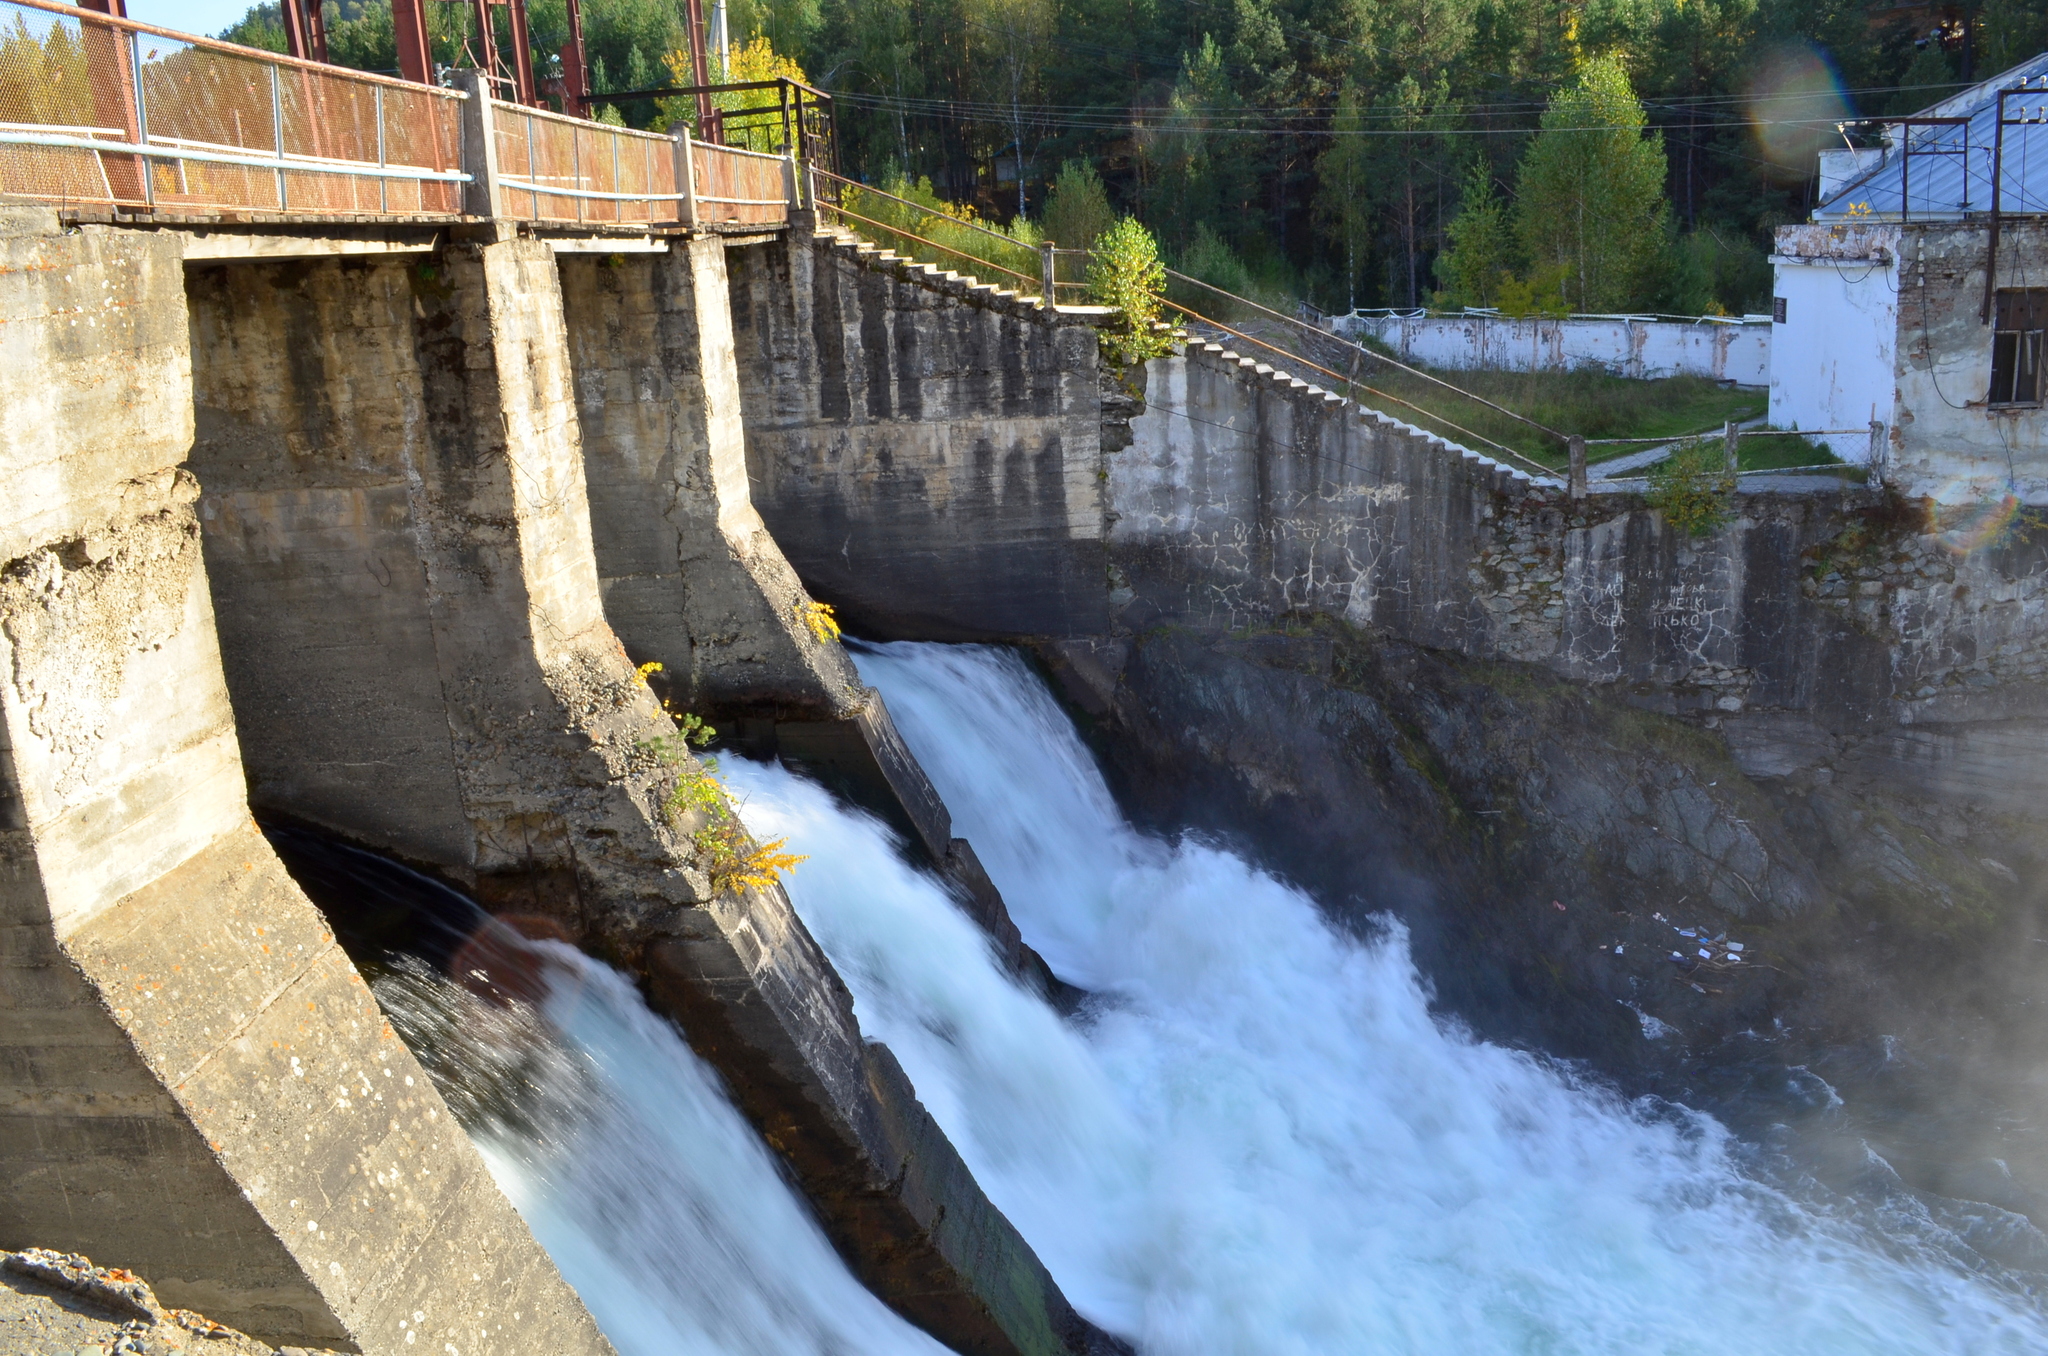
<point x="1589" y="403"/>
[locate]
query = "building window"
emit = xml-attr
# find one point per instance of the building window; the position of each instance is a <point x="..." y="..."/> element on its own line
<point x="2016" y="346"/>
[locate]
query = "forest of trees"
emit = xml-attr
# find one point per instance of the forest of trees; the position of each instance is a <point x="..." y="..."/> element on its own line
<point x="1528" y="154"/>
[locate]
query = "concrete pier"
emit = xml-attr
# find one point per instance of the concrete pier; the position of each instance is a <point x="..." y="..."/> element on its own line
<point x="195" y="1083"/>
<point x="394" y="465"/>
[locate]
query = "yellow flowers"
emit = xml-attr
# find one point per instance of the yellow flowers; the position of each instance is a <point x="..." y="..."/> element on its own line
<point x="731" y="857"/>
<point x="736" y="862"/>
<point x="818" y="616"/>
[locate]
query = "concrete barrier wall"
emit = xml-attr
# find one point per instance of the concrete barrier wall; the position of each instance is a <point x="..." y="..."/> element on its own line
<point x="1247" y="492"/>
<point x="1722" y="350"/>
<point x="1904" y="650"/>
<point x="194" y="1081"/>
<point x="926" y="452"/>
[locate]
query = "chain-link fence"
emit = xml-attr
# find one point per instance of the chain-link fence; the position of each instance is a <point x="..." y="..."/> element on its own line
<point x="106" y="112"/>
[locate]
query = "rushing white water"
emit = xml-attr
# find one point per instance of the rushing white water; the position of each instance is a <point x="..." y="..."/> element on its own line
<point x="653" y="1195"/>
<point x="1258" y="1139"/>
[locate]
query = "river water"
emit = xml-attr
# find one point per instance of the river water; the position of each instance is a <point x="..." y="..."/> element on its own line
<point x="1254" y="1138"/>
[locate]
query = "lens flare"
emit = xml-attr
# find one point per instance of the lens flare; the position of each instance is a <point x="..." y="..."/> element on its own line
<point x="1796" y="102"/>
<point x="1972" y="525"/>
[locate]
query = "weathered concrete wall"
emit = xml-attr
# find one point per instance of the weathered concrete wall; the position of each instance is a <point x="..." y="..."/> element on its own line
<point x="926" y="452"/>
<point x="195" y="1081"/>
<point x="1835" y="353"/>
<point x="1725" y="350"/>
<point x="1846" y="633"/>
<point x="691" y="577"/>
<point x="1247" y="492"/>
<point x="1889" y="316"/>
<point x="411" y="475"/>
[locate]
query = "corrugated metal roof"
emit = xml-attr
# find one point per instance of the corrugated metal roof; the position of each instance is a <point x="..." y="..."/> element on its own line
<point x="1949" y="171"/>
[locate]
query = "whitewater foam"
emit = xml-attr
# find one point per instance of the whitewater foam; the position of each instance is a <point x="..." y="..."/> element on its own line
<point x="1257" y="1138"/>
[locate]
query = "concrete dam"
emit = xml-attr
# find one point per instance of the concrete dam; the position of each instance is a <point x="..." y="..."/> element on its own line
<point x="1275" y="880"/>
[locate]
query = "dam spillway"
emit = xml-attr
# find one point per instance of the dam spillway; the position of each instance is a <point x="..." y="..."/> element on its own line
<point x="422" y="532"/>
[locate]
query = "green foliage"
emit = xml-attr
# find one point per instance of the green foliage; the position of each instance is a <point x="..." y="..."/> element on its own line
<point x="748" y="61"/>
<point x="1479" y="257"/>
<point x="1208" y="258"/>
<point x="1077" y="208"/>
<point x="1693" y="488"/>
<point x="1590" y="191"/>
<point x="1125" y="272"/>
<point x="951" y="229"/>
<point x="1587" y="401"/>
<point x="725" y="850"/>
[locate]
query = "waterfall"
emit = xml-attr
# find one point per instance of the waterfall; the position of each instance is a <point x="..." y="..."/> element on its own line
<point x="1256" y="1138"/>
<point x="618" y="1146"/>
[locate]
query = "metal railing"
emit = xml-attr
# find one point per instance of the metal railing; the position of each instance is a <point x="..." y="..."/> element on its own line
<point x="108" y="112"/>
<point x="561" y="169"/>
<point x="733" y="186"/>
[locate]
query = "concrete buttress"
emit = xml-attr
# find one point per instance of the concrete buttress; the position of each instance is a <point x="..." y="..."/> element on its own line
<point x="195" y="1083"/>
<point x="691" y="577"/>
<point x="399" y="539"/>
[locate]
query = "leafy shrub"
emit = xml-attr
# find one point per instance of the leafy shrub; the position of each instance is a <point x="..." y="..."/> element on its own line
<point x="1693" y="488"/>
<point x="724" y="848"/>
<point x="1125" y="272"/>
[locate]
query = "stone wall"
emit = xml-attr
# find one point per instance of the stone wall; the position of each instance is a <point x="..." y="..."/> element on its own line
<point x="926" y="451"/>
<point x="194" y="1081"/>
<point x="1843" y="632"/>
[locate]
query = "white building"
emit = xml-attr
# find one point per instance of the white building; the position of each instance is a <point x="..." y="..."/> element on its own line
<point x="1882" y="309"/>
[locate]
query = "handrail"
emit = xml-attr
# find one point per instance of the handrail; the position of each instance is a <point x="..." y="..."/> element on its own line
<point x="361" y="169"/>
<point x="676" y="91"/>
<point x="722" y="149"/>
<point x="898" y="230"/>
<point x="957" y="221"/>
<point x="1391" y="362"/>
<point x="76" y="13"/>
<point x="549" y="114"/>
<point x="1548" y="473"/>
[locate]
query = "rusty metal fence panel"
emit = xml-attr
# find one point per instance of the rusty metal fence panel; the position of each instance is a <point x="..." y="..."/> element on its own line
<point x="733" y="185"/>
<point x="106" y="112"/>
<point x="562" y="169"/>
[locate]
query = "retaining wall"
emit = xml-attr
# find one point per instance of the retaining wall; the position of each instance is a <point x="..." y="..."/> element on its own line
<point x="1737" y="351"/>
<point x="926" y="451"/>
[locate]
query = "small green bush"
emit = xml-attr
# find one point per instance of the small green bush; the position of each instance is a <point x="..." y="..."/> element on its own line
<point x="1693" y="488"/>
<point x="1125" y="272"/>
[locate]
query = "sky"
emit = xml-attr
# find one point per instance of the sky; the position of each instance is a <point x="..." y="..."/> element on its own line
<point x="189" y="16"/>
